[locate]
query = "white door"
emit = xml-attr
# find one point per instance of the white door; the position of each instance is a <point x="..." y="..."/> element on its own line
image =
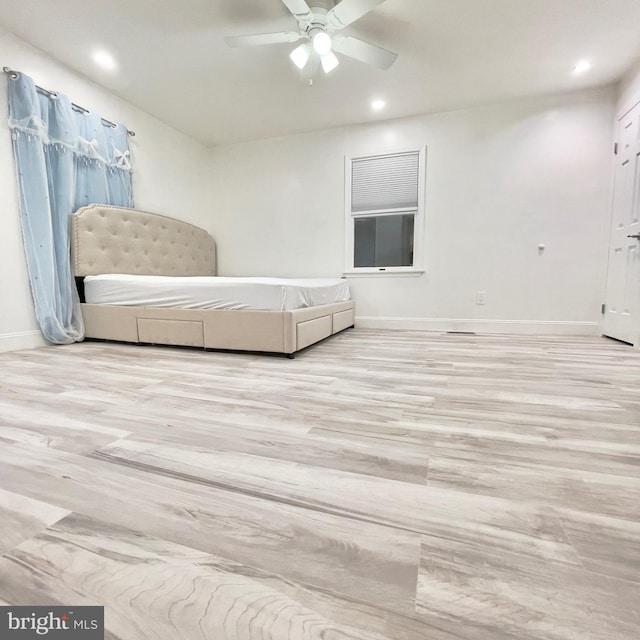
<point x="622" y="304"/>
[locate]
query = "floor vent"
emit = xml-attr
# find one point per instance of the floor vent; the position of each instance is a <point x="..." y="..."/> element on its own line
<point x="461" y="333"/>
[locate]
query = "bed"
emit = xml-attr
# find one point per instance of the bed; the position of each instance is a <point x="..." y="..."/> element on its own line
<point x="147" y="278"/>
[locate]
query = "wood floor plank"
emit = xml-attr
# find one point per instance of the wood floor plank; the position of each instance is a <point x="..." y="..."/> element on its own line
<point x="22" y="517"/>
<point x="155" y="589"/>
<point x="324" y="549"/>
<point x="472" y="441"/>
<point x="395" y="485"/>
<point x="528" y="599"/>
<point x="400" y="505"/>
<point x="518" y="480"/>
<point x="293" y="444"/>
<point x="606" y="545"/>
<point x="64" y="426"/>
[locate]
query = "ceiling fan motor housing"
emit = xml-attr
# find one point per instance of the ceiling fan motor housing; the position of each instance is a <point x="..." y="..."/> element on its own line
<point x="321" y="5"/>
<point x="318" y="23"/>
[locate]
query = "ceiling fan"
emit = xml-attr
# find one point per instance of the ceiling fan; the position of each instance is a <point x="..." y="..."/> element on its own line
<point x="318" y="20"/>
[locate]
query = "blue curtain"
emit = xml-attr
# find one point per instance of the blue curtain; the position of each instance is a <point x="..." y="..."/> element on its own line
<point x="65" y="159"/>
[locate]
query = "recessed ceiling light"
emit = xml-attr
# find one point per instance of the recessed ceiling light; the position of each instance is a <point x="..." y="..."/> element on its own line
<point x="104" y="60"/>
<point x="378" y="105"/>
<point x="582" y="67"/>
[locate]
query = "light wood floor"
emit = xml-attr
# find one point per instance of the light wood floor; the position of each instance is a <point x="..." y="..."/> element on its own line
<point x="382" y="485"/>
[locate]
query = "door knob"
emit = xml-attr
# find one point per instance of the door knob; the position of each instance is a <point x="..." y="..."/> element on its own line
<point x="635" y="235"/>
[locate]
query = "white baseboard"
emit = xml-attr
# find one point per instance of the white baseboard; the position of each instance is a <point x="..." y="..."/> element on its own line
<point x="527" y="327"/>
<point x="21" y="340"/>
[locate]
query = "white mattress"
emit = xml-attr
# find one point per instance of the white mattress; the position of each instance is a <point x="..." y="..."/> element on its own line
<point x="205" y="292"/>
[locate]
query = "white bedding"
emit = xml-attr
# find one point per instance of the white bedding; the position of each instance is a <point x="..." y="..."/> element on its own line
<point x="207" y="292"/>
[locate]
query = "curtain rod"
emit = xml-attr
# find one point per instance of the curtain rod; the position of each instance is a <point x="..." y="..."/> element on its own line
<point x="14" y="74"/>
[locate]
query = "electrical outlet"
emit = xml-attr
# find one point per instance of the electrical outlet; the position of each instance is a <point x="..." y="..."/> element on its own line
<point x="481" y="297"/>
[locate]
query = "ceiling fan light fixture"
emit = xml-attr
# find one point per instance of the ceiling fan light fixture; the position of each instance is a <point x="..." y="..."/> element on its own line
<point x="318" y="21"/>
<point x="322" y="43"/>
<point x="329" y="62"/>
<point x="300" y="55"/>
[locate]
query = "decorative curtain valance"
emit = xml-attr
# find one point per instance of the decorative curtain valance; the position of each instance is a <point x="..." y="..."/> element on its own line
<point x="65" y="159"/>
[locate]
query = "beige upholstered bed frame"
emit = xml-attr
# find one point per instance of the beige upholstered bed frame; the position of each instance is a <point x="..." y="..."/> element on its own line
<point x="108" y="239"/>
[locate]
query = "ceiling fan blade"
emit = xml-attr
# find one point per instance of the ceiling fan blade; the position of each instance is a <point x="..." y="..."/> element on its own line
<point x="364" y="52"/>
<point x="348" y="11"/>
<point x="262" y="38"/>
<point x="300" y="10"/>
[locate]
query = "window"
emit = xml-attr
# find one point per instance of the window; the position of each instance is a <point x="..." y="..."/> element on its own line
<point x="384" y="202"/>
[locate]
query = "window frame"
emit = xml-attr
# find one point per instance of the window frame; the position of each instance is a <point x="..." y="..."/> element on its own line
<point x="418" y="229"/>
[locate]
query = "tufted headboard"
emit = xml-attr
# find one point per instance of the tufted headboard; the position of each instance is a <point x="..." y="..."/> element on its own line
<point x="107" y="239"/>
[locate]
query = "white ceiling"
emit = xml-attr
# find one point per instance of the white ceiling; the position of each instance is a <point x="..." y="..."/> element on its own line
<point x="174" y="64"/>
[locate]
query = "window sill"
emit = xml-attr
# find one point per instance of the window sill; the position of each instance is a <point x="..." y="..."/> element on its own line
<point x="376" y="273"/>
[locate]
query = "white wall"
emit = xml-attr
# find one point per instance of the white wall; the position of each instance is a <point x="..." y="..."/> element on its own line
<point x="501" y="180"/>
<point x="170" y="177"/>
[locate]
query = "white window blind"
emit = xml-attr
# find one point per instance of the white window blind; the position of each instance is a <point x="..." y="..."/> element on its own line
<point x="385" y="182"/>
